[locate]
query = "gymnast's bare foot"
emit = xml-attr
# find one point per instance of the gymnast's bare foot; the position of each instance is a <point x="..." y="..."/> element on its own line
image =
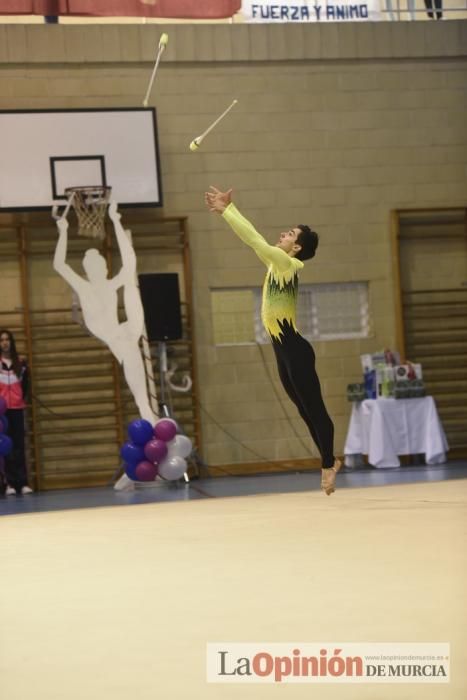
<point x="328" y="477"/>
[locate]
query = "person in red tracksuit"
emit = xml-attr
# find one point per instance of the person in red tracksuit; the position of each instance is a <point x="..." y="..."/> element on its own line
<point x="14" y="381"/>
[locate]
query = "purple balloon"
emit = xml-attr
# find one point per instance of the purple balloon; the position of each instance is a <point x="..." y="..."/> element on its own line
<point x="6" y="445"/>
<point x="5" y="424"/>
<point x="165" y="430"/>
<point x="132" y="454"/>
<point x="140" y="431"/>
<point x="155" y="450"/>
<point x="3" y="406"/>
<point x="145" y="471"/>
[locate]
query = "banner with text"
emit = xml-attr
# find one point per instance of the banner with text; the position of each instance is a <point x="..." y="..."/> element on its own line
<point x="314" y="11"/>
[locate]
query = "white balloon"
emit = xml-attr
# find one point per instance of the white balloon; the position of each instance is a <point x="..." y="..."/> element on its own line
<point x="172" y="468"/>
<point x="180" y="446"/>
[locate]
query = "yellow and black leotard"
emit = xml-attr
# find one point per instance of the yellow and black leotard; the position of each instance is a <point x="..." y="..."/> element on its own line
<point x="280" y="288"/>
<point x="294" y="354"/>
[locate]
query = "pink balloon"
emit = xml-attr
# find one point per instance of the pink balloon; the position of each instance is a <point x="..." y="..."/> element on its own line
<point x="155" y="450"/>
<point x="165" y="429"/>
<point x="146" y="471"/>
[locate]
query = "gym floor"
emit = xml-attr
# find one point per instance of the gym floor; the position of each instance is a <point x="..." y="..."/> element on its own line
<point x="104" y="600"/>
<point x="228" y="486"/>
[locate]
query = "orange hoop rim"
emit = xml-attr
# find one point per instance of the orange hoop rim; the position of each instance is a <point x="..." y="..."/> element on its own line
<point x="101" y="191"/>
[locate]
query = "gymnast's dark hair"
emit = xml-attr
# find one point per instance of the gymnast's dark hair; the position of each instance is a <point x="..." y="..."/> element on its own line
<point x="308" y="240"/>
<point x="15" y="361"/>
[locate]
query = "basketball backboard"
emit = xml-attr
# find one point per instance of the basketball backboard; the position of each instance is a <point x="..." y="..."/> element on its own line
<point x="42" y="152"/>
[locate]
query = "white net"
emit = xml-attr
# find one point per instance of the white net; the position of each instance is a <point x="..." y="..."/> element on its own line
<point x="90" y="205"/>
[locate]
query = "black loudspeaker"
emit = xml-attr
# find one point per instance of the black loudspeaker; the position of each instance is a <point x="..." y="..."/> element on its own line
<point x="160" y="295"/>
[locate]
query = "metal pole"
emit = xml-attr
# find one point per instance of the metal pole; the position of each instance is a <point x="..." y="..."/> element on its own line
<point x="162" y="373"/>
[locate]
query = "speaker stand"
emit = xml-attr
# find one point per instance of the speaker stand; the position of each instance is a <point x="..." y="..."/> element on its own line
<point x="164" y="409"/>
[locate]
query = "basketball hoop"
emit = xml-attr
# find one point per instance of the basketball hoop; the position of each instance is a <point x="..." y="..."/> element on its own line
<point x="90" y="205"/>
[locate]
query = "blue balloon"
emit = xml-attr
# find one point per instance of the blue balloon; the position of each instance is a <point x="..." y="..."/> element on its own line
<point x="132" y="454"/>
<point x="6" y="445"/>
<point x="140" y="431"/>
<point x="4" y="420"/>
<point x="130" y="471"/>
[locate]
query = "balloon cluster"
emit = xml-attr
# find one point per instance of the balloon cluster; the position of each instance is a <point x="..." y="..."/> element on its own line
<point x="155" y="450"/>
<point x="5" y="442"/>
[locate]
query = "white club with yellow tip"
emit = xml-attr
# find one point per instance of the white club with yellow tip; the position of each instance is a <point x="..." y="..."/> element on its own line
<point x="162" y="46"/>
<point x="196" y="143"/>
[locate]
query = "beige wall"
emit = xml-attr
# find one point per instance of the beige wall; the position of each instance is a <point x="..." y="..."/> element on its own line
<point x="335" y="126"/>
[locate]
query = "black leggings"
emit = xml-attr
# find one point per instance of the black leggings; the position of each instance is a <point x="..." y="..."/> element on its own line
<point x="296" y="364"/>
<point x="15" y="462"/>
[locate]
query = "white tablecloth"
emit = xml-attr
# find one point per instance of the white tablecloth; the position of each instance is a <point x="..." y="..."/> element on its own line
<point x="385" y="428"/>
